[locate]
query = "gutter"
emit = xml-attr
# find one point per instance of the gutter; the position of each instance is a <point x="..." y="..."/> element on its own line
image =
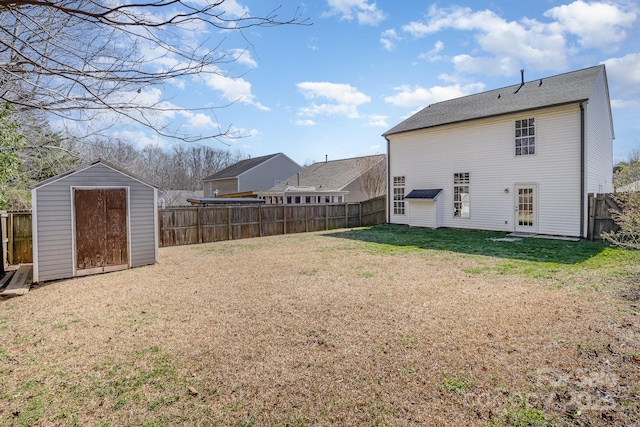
<point x="582" y="170"/>
<point x="389" y="188"/>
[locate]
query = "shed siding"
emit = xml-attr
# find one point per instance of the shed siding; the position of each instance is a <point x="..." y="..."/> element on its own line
<point x="485" y="148"/>
<point x="422" y="213"/>
<point x="54" y="220"/>
<point x="599" y="133"/>
<point x="263" y="176"/>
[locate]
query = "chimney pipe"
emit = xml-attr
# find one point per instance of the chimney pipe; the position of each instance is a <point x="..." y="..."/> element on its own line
<point x="298" y="179"/>
<point x="326" y="158"/>
<point x="522" y="76"/>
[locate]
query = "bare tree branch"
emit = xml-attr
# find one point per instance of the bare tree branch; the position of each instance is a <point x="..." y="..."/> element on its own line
<point x="80" y="58"/>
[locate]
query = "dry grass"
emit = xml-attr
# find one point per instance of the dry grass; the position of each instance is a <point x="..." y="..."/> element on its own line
<point x="316" y="330"/>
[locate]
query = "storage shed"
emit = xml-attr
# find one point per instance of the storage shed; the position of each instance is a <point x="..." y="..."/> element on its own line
<point x="92" y="219"/>
<point x="425" y="211"/>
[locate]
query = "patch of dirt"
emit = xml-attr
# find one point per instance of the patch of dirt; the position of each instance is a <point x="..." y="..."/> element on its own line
<point x="314" y="330"/>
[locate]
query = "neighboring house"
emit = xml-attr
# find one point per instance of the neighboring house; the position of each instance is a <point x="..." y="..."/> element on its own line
<point x="258" y="173"/>
<point x="335" y="181"/>
<point x="93" y="219"/>
<point x="177" y="197"/>
<point x="520" y="159"/>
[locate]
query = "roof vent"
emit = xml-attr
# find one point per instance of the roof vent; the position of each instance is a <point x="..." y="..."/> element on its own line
<point x="540" y="84"/>
<point x="499" y="96"/>
<point x="521" y="82"/>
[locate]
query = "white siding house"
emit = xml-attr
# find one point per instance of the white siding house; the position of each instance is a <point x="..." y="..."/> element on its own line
<point x="518" y="159"/>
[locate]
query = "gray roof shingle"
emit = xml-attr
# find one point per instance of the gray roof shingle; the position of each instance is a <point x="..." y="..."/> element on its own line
<point x="333" y="175"/>
<point x="423" y="194"/>
<point x="556" y="90"/>
<point x="240" y="167"/>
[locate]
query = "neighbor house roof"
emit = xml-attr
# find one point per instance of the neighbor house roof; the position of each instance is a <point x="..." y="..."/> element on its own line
<point x="328" y="176"/>
<point x="240" y="167"/>
<point x="89" y="165"/>
<point x="556" y="90"/>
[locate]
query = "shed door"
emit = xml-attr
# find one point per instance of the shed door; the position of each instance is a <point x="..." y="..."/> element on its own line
<point x="101" y="230"/>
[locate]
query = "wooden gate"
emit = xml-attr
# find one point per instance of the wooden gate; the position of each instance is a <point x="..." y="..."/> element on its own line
<point x="101" y="230"/>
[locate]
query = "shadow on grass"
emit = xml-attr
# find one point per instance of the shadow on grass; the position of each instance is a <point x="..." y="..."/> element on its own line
<point x="489" y="243"/>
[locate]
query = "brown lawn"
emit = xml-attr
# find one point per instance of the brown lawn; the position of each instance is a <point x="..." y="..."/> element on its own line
<point x="316" y="330"/>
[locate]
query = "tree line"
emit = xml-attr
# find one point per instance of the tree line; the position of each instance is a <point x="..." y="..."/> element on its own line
<point x="31" y="152"/>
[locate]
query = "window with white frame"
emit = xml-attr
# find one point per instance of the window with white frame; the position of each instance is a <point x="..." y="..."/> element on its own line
<point x="461" y="195"/>
<point x="398" y="195"/>
<point x="525" y="137"/>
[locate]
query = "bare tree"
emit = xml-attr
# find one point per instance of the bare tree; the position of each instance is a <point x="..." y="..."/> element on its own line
<point x="373" y="182"/>
<point x="627" y="219"/>
<point x="77" y="58"/>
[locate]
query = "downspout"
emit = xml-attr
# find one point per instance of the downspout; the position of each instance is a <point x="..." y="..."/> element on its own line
<point x="388" y="180"/>
<point x="582" y="172"/>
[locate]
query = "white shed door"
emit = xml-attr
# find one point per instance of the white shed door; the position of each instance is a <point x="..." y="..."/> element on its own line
<point x="526" y="218"/>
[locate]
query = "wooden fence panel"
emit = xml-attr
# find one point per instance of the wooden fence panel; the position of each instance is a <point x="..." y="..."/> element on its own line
<point x="4" y="242"/>
<point x="374" y="211"/>
<point x="600" y="219"/>
<point x="187" y="225"/>
<point x="20" y="244"/>
<point x="272" y="220"/>
<point x="214" y="224"/>
<point x="178" y="226"/>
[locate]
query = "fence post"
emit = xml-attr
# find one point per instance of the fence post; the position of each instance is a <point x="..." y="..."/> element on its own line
<point x="360" y="213"/>
<point x="326" y="216"/>
<point x="284" y="219"/>
<point x="306" y="218"/>
<point x="10" y="248"/>
<point x="198" y="225"/>
<point x="260" y="218"/>
<point x="229" y="222"/>
<point x="346" y="215"/>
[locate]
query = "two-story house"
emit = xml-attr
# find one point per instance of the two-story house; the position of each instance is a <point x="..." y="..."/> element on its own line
<point x="254" y="174"/>
<point x="522" y="158"/>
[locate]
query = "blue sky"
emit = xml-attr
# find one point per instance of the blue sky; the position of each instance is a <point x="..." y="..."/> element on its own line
<point x="332" y="88"/>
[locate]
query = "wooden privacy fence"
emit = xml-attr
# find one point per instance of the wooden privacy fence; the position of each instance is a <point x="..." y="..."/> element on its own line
<point x="600" y="220"/>
<point x="4" y="240"/>
<point x="19" y="237"/>
<point x="190" y="225"/>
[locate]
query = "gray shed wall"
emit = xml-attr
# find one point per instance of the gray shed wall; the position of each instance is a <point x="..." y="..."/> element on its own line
<point x="54" y="220"/>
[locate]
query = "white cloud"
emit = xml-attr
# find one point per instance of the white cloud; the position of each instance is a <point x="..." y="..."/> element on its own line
<point x="242" y="56"/>
<point x="342" y="99"/>
<point x="595" y="24"/>
<point x="233" y="89"/>
<point x="418" y="96"/>
<point x="387" y="39"/>
<point x="376" y="120"/>
<point x="365" y="12"/>
<point x="623" y="75"/>
<point x="432" y="55"/>
<point x="341" y="93"/>
<point x="202" y="121"/>
<point x="511" y="45"/>
<point x="307" y="122"/>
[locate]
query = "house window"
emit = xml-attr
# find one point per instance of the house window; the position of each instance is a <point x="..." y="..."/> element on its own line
<point x="525" y="137"/>
<point x="398" y="195"/>
<point x="461" y="195"/>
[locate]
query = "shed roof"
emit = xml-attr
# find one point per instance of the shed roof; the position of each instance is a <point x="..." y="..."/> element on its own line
<point x="91" y="164"/>
<point x="240" y="167"/>
<point x="424" y="194"/>
<point x="561" y="89"/>
<point x="328" y="176"/>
